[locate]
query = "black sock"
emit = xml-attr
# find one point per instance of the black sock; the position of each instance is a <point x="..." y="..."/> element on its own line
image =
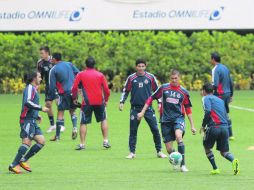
<point x="210" y="157"/>
<point x="51" y="120"/>
<point x="33" y="150"/>
<point x="181" y="149"/>
<point x="229" y="156"/>
<point x="59" y="123"/>
<point x="21" y="152"/>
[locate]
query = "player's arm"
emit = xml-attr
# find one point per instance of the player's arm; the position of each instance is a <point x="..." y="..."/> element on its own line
<point x="188" y="111"/>
<point x="52" y="83"/>
<point x="29" y="97"/>
<point x="155" y="86"/>
<point x="74" y="69"/>
<point x="75" y="87"/>
<point x="207" y="110"/>
<point x="215" y="80"/>
<point x="105" y="88"/>
<point x="125" y="93"/>
<point x="39" y="68"/>
<point x="231" y="88"/>
<point x="156" y="95"/>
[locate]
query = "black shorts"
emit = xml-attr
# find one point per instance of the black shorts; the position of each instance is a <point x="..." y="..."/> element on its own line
<point x="48" y="97"/>
<point x="87" y="111"/>
<point x="218" y="134"/>
<point x="29" y="129"/>
<point x="65" y="102"/>
<point x="168" y="129"/>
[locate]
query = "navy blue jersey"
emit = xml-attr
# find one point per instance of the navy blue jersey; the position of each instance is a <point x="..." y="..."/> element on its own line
<point x="44" y="67"/>
<point x="30" y="104"/>
<point x="175" y="102"/>
<point x="221" y="80"/>
<point x="215" y="112"/>
<point x="61" y="78"/>
<point x="141" y="87"/>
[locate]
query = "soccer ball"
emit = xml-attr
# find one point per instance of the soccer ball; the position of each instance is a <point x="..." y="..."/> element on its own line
<point x="175" y="158"/>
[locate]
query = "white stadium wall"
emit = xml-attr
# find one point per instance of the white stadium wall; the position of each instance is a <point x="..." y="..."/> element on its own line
<point x="68" y="15"/>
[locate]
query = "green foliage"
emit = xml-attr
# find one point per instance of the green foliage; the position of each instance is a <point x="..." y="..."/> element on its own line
<point x="116" y="52"/>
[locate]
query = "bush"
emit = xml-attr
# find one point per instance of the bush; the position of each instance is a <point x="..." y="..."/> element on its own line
<point x="116" y="52"/>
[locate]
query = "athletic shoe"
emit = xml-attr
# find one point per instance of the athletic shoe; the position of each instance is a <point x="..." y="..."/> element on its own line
<point x="161" y="155"/>
<point x="106" y="144"/>
<point x="55" y="138"/>
<point x="80" y="147"/>
<point x="130" y="156"/>
<point x="25" y="166"/>
<point x="215" y="172"/>
<point x="184" y="168"/>
<point x="51" y="128"/>
<point x="74" y="133"/>
<point x="236" y="168"/>
<point x="231" y="138"/>
<point x="62" y="128"/>
<point x="15" y="169"/>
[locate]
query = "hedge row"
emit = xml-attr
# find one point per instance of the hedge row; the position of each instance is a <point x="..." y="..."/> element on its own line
<point x="116" y="52"/>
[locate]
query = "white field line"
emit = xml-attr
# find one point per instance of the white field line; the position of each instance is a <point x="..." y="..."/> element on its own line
<point x="242" y="108"/>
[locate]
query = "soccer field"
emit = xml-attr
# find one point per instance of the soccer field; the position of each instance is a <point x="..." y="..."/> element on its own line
<point x="59" y="166"/>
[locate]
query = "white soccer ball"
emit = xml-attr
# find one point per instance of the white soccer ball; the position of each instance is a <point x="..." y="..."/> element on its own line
<point x="175" y="158"/>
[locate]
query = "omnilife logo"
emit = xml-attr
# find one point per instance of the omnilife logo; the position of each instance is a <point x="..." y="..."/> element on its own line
<point x="71" y="15"/>
<point x="134" y="1"/>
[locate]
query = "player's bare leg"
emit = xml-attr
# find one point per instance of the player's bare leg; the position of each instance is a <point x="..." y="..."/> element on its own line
<point x="104" y="130"/>
<point x="83" y="132"/>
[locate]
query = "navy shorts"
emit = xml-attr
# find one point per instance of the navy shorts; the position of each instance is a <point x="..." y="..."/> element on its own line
<point x="29" y="129"/>
<point x="48" y="97"/>
<point x="218" y="134"/>
<point x="65" y="102"/>
<point x="87" y="112"/>
<point x="168" y="129"/>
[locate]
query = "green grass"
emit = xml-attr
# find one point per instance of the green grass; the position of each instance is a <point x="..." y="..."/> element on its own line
<point x="59" y="166"/>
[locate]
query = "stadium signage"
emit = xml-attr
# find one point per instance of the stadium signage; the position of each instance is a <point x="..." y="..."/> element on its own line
<point x="65" y="15"/>
<point x="71" y="15"/>
<point x="174" y="13"/>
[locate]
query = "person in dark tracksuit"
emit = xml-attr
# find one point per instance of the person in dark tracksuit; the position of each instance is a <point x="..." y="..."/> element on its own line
<point x="175" y="103"/>
<point x="28" y="123"/>
<point x="215" y="128"/>
<point x="141" y="85"/>
<point x="61" y="78"/>
<point x="44" y="65"/>
<point x="223" y="85"/>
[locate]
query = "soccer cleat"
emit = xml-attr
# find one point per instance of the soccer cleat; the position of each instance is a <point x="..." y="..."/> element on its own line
<point x="106" y="144"/>
<point x="161" y="155"/>
<point x="55" y="138"/>
<point x="231" y="138"/>
<point x="74" y="133"/>
<point x="51" y="128"/>
<point x="184" y="168"/>
<point x="80" y="147"/>
<point x="25" y="166"/>
<point x="236" y="168"/>
<point x="130" y="156"/>
<point x="15" y="169"/>
<point x="62" y="128"/>
<point x="215" y="171"/>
